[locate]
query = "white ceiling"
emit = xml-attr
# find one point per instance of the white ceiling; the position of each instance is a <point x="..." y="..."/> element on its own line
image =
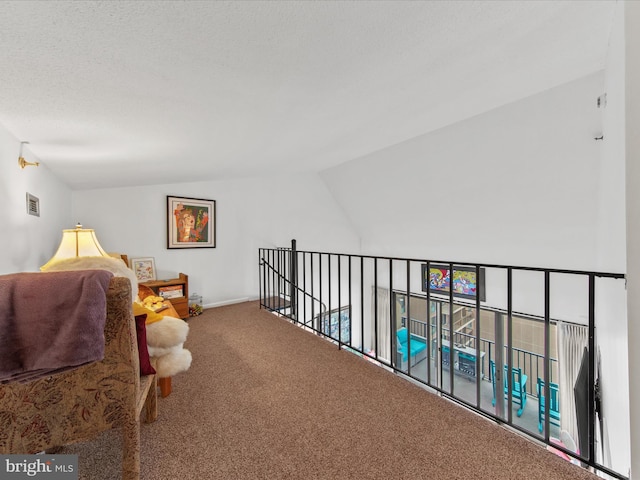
<point x="144" y="92"/>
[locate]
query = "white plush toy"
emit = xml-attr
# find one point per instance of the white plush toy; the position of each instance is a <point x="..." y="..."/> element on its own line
<point x="165" y="338"/>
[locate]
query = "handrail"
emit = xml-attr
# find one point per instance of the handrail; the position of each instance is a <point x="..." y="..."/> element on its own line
<point x="524" y="268"/>
<point x="323" y="307"/>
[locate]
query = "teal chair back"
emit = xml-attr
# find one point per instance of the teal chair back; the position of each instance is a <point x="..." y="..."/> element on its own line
<point x="554" y="404"/>
<point x="516" y="381"/>
<point x="518" y="386"/>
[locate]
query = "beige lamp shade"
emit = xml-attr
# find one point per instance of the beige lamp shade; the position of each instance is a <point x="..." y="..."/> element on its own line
<point x="77" y="242"/>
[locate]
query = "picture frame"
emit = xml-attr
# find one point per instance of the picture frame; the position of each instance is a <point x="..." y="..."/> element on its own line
<point x="191" y="222"/>
<point x="337" y="319"/>
<point x="465" y="284"/>
<point x="144" y="268"/>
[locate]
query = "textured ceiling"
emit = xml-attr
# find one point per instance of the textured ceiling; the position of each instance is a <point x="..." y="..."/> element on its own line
<point x="120" y="93"/>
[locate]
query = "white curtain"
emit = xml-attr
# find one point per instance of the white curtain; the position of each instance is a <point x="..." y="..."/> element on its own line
<point x="571" y="340"/>
<point x="384" y="321"/>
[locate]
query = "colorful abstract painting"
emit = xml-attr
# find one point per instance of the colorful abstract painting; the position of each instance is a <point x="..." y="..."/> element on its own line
<point x="190" y="222"/>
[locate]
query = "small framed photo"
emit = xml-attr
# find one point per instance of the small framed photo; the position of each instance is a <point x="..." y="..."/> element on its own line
<point x="191" y="222"/>
<point x="144" y="268"/>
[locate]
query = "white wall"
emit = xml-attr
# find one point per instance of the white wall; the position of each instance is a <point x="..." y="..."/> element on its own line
<point x="251" y="213"/>
<point x="632" y="140"/>
<point x="611" y="325"/>
<point x="515" y="185"/>
<point x="26" y="241"/>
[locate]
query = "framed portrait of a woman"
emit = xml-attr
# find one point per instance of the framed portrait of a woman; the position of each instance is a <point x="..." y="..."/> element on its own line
<point x="191" y="222"/>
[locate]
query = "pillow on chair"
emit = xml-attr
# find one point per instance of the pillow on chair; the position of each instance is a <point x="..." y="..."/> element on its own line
<point x="402" y="335"/>
<point x="143" y="352"/>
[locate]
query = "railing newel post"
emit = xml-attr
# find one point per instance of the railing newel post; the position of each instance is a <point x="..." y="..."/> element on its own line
<point x="293" y="279"/>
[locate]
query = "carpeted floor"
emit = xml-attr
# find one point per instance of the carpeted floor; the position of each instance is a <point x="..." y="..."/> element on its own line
<point x="266" y="400"/>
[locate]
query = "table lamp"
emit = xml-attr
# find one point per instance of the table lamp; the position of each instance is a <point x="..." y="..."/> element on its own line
<point x="77" y="242"/>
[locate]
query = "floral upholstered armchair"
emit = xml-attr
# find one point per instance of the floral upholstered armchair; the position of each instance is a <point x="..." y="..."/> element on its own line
<point x="75" y="404"/>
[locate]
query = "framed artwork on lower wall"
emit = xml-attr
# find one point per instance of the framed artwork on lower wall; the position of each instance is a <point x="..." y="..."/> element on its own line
<point x="337" y="324"/>
<point x="191" y="222"/>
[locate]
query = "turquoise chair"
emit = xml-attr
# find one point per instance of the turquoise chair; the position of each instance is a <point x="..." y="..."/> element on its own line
<point x="518" y="386"/>
<point x="418" y="344"/>
<point x="554" y="404"/>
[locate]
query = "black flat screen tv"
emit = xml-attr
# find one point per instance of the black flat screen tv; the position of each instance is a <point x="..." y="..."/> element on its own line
<point x="581" y="394"/>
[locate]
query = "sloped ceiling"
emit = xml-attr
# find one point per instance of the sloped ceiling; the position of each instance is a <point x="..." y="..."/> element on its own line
<point x="124" y="93"/>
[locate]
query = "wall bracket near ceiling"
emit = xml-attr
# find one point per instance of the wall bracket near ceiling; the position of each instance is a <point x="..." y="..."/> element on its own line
<point x="22" y="162"/>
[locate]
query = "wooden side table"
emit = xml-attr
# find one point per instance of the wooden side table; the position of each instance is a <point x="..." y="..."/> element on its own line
<point x="181" y="285"/>
<point x="165" y="383"/>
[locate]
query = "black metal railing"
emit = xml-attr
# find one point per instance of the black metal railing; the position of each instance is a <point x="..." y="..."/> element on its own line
<point x="282" y="298"/>
<point x="366" y="292"/>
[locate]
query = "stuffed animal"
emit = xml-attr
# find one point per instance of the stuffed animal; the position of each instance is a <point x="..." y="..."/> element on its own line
<point x="165" y="335"/>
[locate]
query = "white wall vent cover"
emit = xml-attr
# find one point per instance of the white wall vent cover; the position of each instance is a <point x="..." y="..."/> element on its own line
<point x="33" y="205"/>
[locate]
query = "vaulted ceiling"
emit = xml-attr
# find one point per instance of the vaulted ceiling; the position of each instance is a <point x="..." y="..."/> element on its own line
<point x="144" y="92"/>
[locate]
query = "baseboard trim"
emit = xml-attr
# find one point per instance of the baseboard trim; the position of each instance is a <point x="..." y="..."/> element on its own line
<point x="227" y="302"/>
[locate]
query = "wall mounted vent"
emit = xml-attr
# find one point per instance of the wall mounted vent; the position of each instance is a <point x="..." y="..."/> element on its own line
<point x="33" y="205"/>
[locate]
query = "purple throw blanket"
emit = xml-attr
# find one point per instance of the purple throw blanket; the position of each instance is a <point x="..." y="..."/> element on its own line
<point x="51" y="322"/>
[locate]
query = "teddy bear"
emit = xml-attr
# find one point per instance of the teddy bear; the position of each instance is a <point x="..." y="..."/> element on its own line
<point x="165" y="335"/>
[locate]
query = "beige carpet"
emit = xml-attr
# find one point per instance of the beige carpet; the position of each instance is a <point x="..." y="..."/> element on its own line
<point x="266" y="400"/>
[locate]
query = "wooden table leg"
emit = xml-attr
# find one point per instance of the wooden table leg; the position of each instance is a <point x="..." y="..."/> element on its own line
<point x="165" y="386"/>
